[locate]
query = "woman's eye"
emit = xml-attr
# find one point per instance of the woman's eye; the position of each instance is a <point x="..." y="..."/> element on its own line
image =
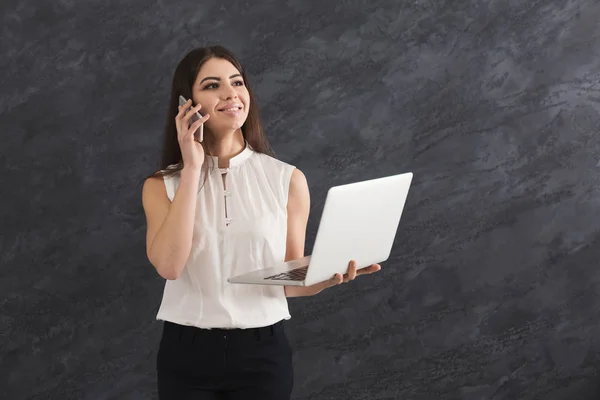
<point x="215" y="85"/>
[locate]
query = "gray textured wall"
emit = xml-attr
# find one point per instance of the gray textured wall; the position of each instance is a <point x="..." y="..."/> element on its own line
<point x="492" y="291"/>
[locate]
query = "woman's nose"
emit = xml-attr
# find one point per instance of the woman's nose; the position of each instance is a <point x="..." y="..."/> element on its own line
<point x="229" y="92"/>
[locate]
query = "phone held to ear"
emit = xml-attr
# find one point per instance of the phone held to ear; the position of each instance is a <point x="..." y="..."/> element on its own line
<point x="199" y="134"/>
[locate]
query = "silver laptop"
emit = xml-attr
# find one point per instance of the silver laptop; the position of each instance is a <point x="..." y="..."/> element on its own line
<point x="359" y="222"/>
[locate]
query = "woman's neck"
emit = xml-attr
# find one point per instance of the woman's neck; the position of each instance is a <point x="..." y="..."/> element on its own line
<point x="226" y="147"/>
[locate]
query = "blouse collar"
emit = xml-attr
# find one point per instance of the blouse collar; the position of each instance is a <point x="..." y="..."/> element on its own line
<point x="235" y="161"/>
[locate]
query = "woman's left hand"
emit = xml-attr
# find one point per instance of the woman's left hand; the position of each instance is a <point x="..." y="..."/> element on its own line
<point x="295" y="291"/>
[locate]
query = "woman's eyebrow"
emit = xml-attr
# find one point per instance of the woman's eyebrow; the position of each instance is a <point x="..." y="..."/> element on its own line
<point x="218" y="79"/>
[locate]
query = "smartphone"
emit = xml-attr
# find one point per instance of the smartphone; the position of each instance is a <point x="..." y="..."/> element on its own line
<point x="199" y="134"/>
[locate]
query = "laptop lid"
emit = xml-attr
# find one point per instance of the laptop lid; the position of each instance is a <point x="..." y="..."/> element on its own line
<point x="359" y="222"/>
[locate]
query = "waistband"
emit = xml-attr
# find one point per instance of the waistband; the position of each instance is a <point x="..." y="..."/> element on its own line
<point x="173" y="329"/>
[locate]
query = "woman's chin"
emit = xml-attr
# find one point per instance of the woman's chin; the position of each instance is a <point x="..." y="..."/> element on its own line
<point x="224" y="129"/>
<point x="231" y="126"/>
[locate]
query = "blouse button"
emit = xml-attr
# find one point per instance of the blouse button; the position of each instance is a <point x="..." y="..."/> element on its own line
<point x="227" y="193"/>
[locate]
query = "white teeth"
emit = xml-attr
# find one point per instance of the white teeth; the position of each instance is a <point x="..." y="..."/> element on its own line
<point x="232" y="109"/>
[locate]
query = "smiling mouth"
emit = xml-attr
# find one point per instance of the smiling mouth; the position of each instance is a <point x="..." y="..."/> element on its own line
<point x="236" y="108"/>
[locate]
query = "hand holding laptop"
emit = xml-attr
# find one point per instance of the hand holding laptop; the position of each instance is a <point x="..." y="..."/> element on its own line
<point x="299" y="291"/>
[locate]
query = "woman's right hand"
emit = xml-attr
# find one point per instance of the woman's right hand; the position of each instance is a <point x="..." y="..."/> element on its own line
<point x="192" y="151"/>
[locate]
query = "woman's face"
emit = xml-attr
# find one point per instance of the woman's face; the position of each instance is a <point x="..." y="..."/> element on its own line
<point x="221" y="90"/>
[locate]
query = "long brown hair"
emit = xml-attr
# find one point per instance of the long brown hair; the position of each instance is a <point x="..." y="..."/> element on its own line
<point x="183" y="80"/>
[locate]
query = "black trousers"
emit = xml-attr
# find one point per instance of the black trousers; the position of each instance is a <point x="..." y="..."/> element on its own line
<point x="232" y="364"/>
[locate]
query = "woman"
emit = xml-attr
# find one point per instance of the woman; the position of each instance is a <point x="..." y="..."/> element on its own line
<point x="217" y="209"/>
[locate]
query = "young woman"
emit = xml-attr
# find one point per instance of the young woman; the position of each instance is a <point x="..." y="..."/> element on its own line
<point x="217" y="209"/>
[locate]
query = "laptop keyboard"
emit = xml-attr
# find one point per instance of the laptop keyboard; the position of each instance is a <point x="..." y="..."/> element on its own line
<point x="297" y="274"/>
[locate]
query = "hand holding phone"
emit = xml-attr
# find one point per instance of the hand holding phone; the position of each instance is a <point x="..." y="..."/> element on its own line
<point x="199" y="134"/>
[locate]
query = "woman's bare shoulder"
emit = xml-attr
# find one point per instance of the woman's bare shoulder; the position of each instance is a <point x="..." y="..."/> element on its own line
<point x="154" y="187"/>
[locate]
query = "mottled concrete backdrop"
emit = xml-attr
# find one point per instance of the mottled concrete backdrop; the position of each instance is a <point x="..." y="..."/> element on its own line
<point x="493" y="287"/>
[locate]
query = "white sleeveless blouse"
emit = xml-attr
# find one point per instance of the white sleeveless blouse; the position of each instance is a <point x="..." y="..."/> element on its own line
<point x="238" y="228"/>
